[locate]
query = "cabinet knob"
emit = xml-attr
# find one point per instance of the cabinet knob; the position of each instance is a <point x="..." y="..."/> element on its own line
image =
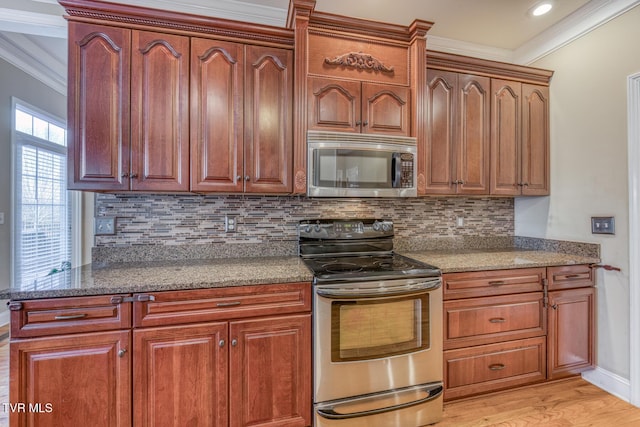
<point x="234" y="342"/>
<point x="358" y="122"/>
<point x="221" y="343"/>
<point x="133" y="175"/>
<point x="247" y="177"/>
<point x="554" y="306"/>
<point x="365" y="123"/>
<point x="238" y="178"/>
<point x="122" y="352"/>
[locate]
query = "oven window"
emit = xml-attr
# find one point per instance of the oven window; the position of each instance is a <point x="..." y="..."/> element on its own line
<point x="369" y="329"/>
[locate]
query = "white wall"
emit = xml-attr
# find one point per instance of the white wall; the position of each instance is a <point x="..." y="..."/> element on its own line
<point x="589" y="174"/>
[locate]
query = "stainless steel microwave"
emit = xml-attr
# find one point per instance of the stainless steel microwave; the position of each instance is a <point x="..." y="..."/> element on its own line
<point x="344" y="164"/>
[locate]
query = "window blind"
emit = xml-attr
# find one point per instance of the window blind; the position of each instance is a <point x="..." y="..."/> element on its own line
<point x="42" y="216"/>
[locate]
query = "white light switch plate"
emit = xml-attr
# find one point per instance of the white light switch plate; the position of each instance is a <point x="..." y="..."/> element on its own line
<point x="104" y="225"/>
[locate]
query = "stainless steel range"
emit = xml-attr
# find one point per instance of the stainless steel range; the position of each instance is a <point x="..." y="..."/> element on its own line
<point x="377" y="327"/>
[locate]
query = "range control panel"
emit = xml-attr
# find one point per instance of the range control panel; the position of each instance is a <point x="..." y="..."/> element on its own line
<point x="345" y="228"/>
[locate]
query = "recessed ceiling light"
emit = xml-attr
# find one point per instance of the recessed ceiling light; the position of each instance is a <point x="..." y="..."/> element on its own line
<point x="541" y="8"/>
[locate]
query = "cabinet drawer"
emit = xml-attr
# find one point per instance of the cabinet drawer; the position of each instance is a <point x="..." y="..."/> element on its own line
<point x="570" y="276"/>
<point x="493" y="319"/>
<point x="493" y="367"/>
<point x="36" y="318"/>
<point x="202" y="305"/>
<point x="495" y="282"/>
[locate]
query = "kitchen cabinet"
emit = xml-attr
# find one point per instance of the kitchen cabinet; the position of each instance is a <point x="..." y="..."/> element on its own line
<point x="487" y="128"/>
<point x="233" y="356"/>
<point x="67" y="374"/>
<point x="458" y="133"/>
<point x="571" y="312"/>
<point x="519" y="139"/>
<point x="241" y="105"/>
<point x="494" y="330"/>
<point x="508" y="328"/>
<point x="353" y="106"/>
<point x="128" y="109"/>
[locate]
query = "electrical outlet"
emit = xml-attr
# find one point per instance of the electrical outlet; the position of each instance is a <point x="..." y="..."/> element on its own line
<point x="104" y="225"/>
<point x="460" y="221"/>
<point x="230" y="224"/>
<point x="603" y="225"/>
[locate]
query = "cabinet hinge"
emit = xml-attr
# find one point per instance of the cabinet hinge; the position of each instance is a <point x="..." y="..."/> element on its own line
<point x="15" y="306"/>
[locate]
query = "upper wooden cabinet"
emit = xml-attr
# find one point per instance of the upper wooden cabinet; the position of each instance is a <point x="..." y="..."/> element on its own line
<point x="241" y="105"/>
<point x="519" y="139"/>
<point x="487" y="128"/>
<point x="128" y="109"/>
<point x="458" y="133"/>
<point x="350" y="106"/>
<point x="158" y="104"/>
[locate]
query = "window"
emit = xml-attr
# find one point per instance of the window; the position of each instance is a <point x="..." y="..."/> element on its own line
<point x="42" y="204"/>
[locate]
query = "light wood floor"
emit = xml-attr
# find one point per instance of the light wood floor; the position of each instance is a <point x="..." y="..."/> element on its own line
<point x="572" y="402"/>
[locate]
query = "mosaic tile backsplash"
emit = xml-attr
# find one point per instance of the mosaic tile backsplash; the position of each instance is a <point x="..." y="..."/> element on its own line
<point x="177" y="220"/>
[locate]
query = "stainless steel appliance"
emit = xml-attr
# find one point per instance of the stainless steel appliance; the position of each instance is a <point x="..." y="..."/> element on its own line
<point x="377" y="325"/>
<point x="360" y="165"/>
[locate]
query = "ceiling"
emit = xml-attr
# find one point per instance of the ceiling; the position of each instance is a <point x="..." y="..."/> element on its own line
<point x="33" y="32"/>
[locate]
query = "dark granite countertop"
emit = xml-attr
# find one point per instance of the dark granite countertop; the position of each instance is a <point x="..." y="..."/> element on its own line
<point x="496" y="259"/>
<point x="120" y="278"/>
<point x="129" y="277"/>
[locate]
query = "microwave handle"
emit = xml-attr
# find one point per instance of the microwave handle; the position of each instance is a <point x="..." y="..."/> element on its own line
<point x="396" y="170"/>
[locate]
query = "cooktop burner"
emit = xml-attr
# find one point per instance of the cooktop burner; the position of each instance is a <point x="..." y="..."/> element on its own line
<point x="339" y="250"/>
<point x="365" y="267"/>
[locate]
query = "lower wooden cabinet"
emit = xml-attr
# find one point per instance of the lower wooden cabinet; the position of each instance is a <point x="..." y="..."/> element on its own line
<point x="226" y="357"/>
<point x="254" y="372"/>
<point x="571" y="334"/>
<point x="71" y="380"/>
<point x="508" y="328"/>
<point x="487" y="368"/>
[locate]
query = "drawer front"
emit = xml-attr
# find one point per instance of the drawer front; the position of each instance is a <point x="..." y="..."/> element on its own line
<point x="37" y="318"/>
<point x="493" y="319"/>
<point x="494" y="367"/>
<point x="495" y="282"/>
<point x="570" y="276"/>
<point x="202" y="305"/>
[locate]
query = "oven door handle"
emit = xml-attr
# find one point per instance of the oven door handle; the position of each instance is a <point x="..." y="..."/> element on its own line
<point x="331" y="409"/>
<point x="349" y="291"/>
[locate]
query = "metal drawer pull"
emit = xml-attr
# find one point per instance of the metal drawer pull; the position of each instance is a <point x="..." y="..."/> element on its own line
<point x="497" y="320"/>
<point x="571" y="276"/>
<point x="71" y="316"/>
<point x="497" y="367"/>
<point x="497" y="282"/>
<point x="228" y="304"/>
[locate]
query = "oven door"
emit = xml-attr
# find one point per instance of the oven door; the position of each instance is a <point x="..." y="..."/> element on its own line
<point x="376" y="336"/>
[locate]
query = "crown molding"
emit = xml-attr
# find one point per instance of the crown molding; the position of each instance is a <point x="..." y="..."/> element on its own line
<point x="226" y="9"/>
<point x="38" y="24"/>
<point x="20" y="51"/>
<point x="586" y="19"/>
<point x="458" y="47"/>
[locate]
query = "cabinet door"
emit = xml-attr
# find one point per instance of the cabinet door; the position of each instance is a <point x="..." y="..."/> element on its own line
<point x="98" y="107"/>
<point x="180" y="376"/>
<point x="159" y="112"/>
<point x="217" y="86"/>
<point x="270" y="372"/>
<point x="268" y="128"/>
<point x="442" y="89"/>
<point x="535" y="140"/>
<point x="334" y="105"/>
<point x="473" y="136"/>
<point x="505" y="137"/>
<point x="385" y="109"/>
<point x="72" y="380"/>
<point x="571" y="332"/>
